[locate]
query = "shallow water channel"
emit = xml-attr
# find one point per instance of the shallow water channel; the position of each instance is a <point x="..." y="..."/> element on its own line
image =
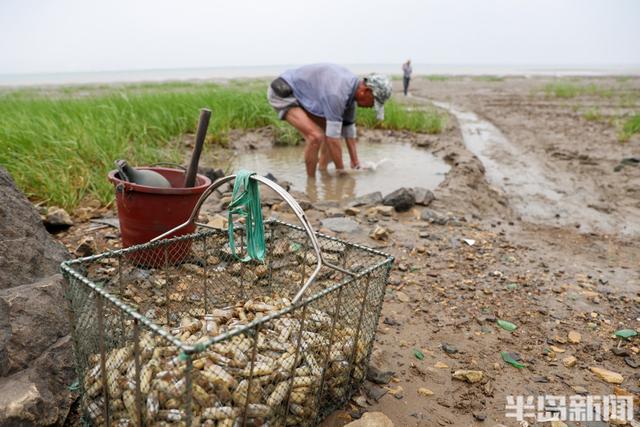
<point x="536" y="191"/>
<point x="399" y="164"/>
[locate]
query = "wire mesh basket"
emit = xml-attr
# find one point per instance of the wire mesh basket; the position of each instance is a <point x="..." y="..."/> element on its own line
<point x="215" y="341"/>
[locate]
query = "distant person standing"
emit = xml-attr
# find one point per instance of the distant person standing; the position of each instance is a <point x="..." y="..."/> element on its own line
<point x="406" y="71"/>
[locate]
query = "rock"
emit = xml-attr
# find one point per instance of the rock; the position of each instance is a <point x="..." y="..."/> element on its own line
<point x="622" y="352"/>
<point x="574" y="337"/>
<point x="402" y="297"/>
<point x="423" y="391"/>
<point x="402" y="200"/>
<point x="379" y="233"/>
<point x="340" y="225"/>
<point x="39" y="395"/>
<point x="385" y="210"/>
<point x="378" y="376"/>
<point x="607" y="376"/>
<point x="479" y="417"/>
<point x="219" y="222"/>
<point x="423" y="196"/>
<point x="214" y="174"/>
<point x="28" y="251"/>
<point x="351" y="211"/>
<point x="569" y="362"/>
<point x="374" y="391"/>
<point x="36" y="357"/>
<point x="334" y="213"/>
<point x="440" y="365"/>
<point x="433" y="217"/>
<point x="32" y="318"/>
<point x="367" y="199"/>
<point x="449" y="349"/>
<point x="578" y="389"/>
<point x="557" y="424"/>
<point x="86" y="247"/>
<point x="372" y="419"/>
<point x="57" y="219"/>
<point x="361" y="401"/>
<point x="468" y="375"/>
<point x="630" y="361"/>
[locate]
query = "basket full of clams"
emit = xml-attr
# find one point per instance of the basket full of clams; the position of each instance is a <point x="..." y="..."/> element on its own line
<point x="219" y="339"/>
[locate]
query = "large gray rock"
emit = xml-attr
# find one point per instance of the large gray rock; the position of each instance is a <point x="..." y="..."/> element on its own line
<point x="36" y="357"/>
<point x="32" y="319"/>
<point x="39" y="396"/>
<point x="28" y="251"/>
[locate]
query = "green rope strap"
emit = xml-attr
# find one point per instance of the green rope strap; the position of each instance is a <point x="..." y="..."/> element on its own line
<point x="246" y="203"/>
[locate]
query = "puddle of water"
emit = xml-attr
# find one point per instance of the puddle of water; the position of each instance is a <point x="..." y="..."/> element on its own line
<point x="399" y="165"/>
<point x="534" y="191"/>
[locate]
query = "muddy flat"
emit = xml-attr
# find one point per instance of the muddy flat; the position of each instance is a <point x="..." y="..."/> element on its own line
<point x="536" y="223"/>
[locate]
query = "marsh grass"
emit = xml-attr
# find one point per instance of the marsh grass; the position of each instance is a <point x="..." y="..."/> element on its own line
<point x="593" y="115"/>
<point x="631" y="126"/>
<point x="398" y="117"/>
<point x="571" y="90"/>
<point x="59" y="143"/>
<point x="489" y="78"/>
<point x="436" y="78"/>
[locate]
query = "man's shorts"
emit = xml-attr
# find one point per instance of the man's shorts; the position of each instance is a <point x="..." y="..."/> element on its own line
<point x="281" y="105"/>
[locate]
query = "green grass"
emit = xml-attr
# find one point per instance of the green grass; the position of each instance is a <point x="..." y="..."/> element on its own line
<point x="630" y="127"/>
<point x="59" y="143"/>
<point x="397" y="117"/>
<point x="436" y="78"/>
<point x="489" y="78"/>
<point x="592" y="115"/>
<point x="571" y="90"/>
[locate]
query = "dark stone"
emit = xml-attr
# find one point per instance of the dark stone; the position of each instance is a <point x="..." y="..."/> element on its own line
<point x="32" y="318"/>
<point x="373" y="391"/>
<point x="449" y="349"/>
<point x="39" y="395"/>
<point x="391" y="322"/>
<point x="423" y="196"/>
<point x="622" y="352"/>
<point x="368" y="199"/>
<point x="211" y="173"/>
<point x="378" y="376"/>
<point x="270" y="176"/>
<point x="630" y="361"/>
<point x="402" y="200"/>
<point x="540" y="379"/>
<point x="29" y="253"/>
<point x="479" y="417"/>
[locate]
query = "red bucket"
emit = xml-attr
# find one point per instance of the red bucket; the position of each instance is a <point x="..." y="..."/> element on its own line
<point x="146" y="212"/>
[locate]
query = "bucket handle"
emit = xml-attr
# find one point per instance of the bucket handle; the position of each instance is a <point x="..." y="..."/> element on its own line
<point x="297" y="210"/>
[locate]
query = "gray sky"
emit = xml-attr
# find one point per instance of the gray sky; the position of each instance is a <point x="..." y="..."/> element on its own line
<point x="38" y="36"/>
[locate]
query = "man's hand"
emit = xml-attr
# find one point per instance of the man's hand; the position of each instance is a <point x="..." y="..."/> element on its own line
<point x="353" y="152"/>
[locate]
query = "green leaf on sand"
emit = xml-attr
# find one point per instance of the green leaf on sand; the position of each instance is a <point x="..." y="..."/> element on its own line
<point x="508" y="326"/>
<point x="418" y="354"/>
<point x="626" y="333"/>
<point x="510" y="360"/>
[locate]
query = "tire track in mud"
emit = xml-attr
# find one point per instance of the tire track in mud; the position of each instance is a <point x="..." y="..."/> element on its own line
<point x="535" y="191"/>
